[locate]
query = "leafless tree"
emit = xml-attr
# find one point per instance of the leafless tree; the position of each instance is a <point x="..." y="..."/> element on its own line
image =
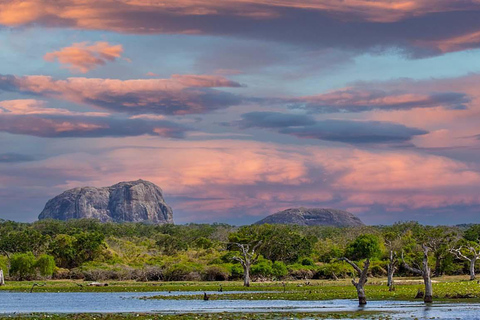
<point x="362" y="274"/>
<point x="391" y="268"/>
<point x="474" y="253"/>
<point x="248" y="257"/>
<point x="425" y="272"/>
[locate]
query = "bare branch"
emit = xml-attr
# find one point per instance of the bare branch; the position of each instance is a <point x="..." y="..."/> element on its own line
<point x="409" y="268"/>
<point x="353" y="264"/>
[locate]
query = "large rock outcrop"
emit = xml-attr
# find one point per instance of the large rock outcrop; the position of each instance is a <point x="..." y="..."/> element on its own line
<point x="313" y="217"/>
<point x="134" y="201"/>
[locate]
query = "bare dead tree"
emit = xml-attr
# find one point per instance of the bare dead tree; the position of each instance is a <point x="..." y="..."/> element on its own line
<point x="391" y="268"/>
<point x="425" y="272"/>
<point x="362" y="274"/>
<point x="2" y="278"/>
<point x="247" y="259"/>
<point x="475" y="254"/>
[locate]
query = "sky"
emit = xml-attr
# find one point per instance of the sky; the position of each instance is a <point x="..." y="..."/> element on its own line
<point x="241" y="108"/>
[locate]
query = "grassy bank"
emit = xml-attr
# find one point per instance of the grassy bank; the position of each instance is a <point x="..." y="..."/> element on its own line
<point x="210" y="316"/>
<point x="445" y="288"/>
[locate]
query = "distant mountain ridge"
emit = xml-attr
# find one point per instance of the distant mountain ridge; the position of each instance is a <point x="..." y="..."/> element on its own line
<point x="132" y="201"/>
<point x="313" y="217"/>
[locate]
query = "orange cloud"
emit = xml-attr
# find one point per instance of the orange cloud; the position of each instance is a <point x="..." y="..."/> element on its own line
<point x="82" y="57"/>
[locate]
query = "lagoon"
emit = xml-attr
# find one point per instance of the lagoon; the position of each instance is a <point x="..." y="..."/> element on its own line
<point x="132" y="302"/>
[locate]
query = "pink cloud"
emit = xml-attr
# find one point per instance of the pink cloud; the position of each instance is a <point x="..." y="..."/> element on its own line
<point x="83" y="57"/>
<point x="38" y="107"/>
<point x="380" y="23"/>
<point x="222" y="177"/>
<point x="181" y="94"/>
<point x="365" y="97"/>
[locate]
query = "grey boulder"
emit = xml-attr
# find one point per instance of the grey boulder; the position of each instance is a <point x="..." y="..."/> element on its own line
<point x="134" y="201"/>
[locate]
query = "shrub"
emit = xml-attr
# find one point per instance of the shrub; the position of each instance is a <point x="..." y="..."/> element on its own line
<point x="215" y="273"/>
<point x="236" y="272"/>
<point x="333" y="270"/>
<point x="4" y="265"/>
<point x="22" y="266"/>
<point x="378" y="268"/>
<point x="262" y="268"/>
<point x="307" y="262"/>
<point x="45" y="265"/>
<point x="182" y="272"/>
<point x="150" y="274"/>
<point x="61" y="273"/>
<point x="279" y="269"/>
<point x="203" y="243"/>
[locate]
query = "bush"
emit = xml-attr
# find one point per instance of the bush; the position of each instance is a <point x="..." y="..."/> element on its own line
<point x="61" y="273"/>
<point x="307" y="262"/>
<point x="150" y="274"/>
<point x="302" y="274"/>
<point x="236" y="272"/>
<point x="4" y="265"/>
<point x="182" y="272"/>
<point x="333" y="270"/>
<point x="22" y="266"/>
<point x="45" y="265"/>
<point x="378" y="268"/>
<point x="215" y="273"/>
<point x="203" y="243"/>
<point x="262" y="268"/>
<point x="279" y="269"/>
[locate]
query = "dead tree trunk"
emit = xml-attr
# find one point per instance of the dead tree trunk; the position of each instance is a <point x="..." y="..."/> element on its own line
<point x="2" y="278"/>
<point x="425" y="272"/>
<point x="475" y="256"/>
<point x="246" y="260"/>
<point x="391" y="268"/>
<point x="360" y="285"/>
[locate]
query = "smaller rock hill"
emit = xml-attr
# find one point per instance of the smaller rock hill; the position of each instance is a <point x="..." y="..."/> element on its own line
<point x="313" y="217"/>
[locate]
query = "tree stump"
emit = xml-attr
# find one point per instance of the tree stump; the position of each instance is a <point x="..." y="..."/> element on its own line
<point x="420" y="294"/>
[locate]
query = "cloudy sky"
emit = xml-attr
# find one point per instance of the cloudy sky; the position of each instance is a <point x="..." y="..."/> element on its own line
<point x="240" y="108"/>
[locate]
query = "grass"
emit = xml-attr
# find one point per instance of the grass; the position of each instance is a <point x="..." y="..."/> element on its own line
<point x="445" y="288"/>
<point x="210" y="316"/>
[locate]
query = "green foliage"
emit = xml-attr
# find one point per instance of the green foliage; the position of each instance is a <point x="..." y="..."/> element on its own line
<point x="22" y="266"/>
<point x="182" y="272"/>
<point x="363" y="247"/>
<point x="45" y="265"/>
<point x="170" y="245"/>
<point x="472" y="233"/>
<point x="236" y="271"/>
<point x="4" y="265"/>
<point x="215" y="273"/>
<point x="307" y="261"/>
<point x="71" y="251"/>
<point x="203" y="243"/>
<point x="279" y="269"/>
<point x="262" y="268"/>
<point x="90" y="249"/>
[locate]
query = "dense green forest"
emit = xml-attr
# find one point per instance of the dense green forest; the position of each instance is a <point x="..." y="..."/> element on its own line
<point x="90" y="250"/>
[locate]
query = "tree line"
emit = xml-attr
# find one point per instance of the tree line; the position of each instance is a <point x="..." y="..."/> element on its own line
<point x="88" y="249"/>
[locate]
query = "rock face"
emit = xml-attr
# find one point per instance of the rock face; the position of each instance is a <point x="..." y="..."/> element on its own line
<point x="135" y="201"/>
<point x="313" y="217"/>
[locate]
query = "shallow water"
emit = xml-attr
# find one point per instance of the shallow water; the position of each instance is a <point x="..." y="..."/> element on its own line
<point x="110" y="302"/>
